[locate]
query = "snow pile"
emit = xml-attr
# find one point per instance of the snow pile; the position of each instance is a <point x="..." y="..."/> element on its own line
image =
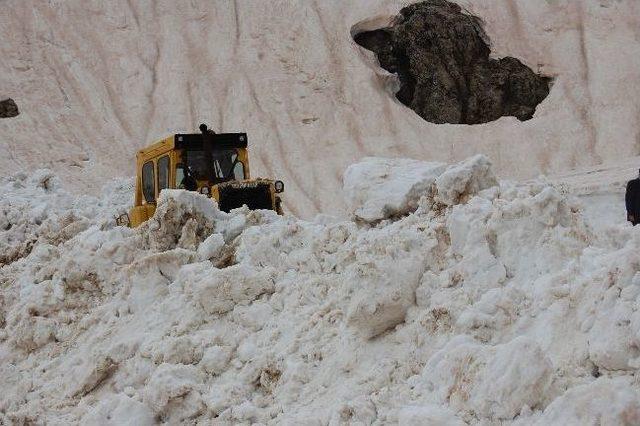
<point x="373" y="196"/>
<point x="452" y="299"/>
<point x="36" y="210"/>
<point x="381" y="188"/>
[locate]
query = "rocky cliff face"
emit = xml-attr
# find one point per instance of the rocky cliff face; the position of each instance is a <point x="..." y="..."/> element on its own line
<point x="441" y="57"/>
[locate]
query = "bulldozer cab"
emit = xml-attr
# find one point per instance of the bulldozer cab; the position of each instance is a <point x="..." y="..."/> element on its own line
<point x="213" y="160"/>
<point x="216" y="165"/>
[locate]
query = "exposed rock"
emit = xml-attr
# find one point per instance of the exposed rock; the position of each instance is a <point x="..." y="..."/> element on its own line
<point x="441" y="56"/>
<point x="8" y="108"/>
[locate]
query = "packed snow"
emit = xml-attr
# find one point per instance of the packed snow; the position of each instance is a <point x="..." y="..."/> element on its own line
<point x="446" y="298"/>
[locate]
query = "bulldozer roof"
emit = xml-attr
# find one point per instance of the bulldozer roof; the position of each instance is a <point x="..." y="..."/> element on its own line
<point x="196" y="141"/>
<point x="219" y="140"/>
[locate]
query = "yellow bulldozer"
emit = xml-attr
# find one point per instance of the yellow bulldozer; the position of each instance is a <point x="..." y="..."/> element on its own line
<point x="214" y="164"/>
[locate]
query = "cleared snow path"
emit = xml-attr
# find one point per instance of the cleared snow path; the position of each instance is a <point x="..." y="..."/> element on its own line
<point x="601" y="190"/>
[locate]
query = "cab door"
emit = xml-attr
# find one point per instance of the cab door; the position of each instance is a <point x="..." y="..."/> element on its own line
<point x="148" y="185"/>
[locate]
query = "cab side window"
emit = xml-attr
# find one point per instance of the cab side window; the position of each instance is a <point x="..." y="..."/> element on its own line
<point x="148" y="182"/>
<point x="163" y="173"/>
<point x="179" y="176"/>
<point x="238" y="170"/>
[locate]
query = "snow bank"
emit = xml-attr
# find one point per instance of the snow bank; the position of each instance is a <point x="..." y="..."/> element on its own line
<point x="612" y="401"/>
<point x="454" y="299"/>
<point x="379" y="188"/>
<point x="494" y="382"/>
<point x="382" y="188"/>
<point x="36" y="210"/>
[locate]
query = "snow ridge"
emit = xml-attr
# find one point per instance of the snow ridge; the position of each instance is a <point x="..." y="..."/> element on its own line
<point x="450" y="299"/>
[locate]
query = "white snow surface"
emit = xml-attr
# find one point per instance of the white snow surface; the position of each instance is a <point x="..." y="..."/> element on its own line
<point x="476" y="302"/>
<point x="96" y="80"/>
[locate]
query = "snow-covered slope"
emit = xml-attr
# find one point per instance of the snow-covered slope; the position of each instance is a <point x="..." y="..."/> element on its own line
<point x="96" y="80"/>
<point x="455" y="300"/>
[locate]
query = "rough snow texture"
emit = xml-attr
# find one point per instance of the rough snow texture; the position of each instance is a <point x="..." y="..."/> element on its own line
<point x="379" y="188"/>
<point x="498" y="303"/>
<point x="96" y="80"/>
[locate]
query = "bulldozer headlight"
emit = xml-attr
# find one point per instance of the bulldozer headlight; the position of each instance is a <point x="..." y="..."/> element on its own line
<point x="123" y="220"/>
<point x="279" y="186"/>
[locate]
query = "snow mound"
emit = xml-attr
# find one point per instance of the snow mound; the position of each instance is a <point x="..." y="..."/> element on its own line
<point x="462" y="181"/>
<point x="379" y="188"/>
<point x="35" y="210"/>
<point x="382" y="188"/>
<point x="453" y="299"/>
<point x="612" y="401"/>
<point x="495" y="382"/>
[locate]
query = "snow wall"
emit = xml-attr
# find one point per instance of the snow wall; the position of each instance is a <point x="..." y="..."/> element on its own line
<point x="94" y="81"/>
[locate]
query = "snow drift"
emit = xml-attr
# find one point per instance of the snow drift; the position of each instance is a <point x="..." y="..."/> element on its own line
<point x="467" y="301"/>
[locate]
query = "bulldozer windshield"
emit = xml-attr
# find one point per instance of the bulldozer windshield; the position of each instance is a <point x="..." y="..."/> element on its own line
<point x="215" y="167"/>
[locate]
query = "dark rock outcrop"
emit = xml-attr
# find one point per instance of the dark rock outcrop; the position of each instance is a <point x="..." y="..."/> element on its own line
<point x="441" y="56"/>
<point x="8" y="108"/>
